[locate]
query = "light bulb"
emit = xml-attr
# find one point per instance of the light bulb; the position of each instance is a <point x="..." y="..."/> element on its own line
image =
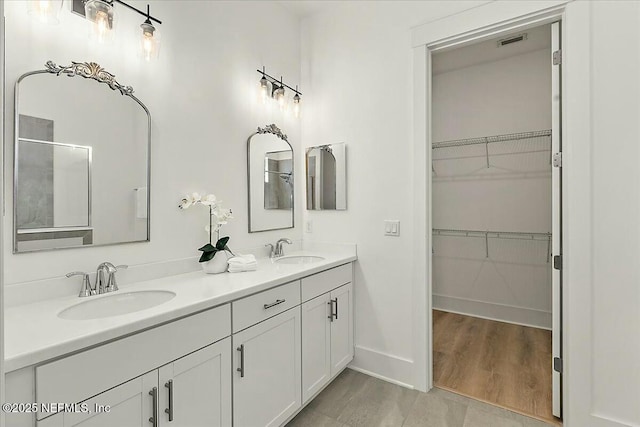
<point x="264" y="89"/>
<point x="280" y="99"/>
<point x="45" y="11"/>
<point x="150" y="41"/>
<point x="296" y="105"/>
<point x="100" y="12"/>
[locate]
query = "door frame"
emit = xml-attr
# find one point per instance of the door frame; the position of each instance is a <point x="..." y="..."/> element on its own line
<point x="474" y="25"/>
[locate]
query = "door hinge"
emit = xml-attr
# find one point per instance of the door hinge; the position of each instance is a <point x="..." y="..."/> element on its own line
<point x="557" y="262"/>
<point x="557" y="365"/>
<point x="557" y="57"/>
<point x="556" y="160"/>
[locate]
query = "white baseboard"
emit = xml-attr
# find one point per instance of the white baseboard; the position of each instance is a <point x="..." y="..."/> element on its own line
<point x="500" y="312"/>
<point x="387" y="367"/>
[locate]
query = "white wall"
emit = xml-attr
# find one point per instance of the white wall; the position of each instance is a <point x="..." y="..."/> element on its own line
<point x="357" y="78"/>
<point x="202" y="94"/>
<point x="503" y="96"/>
<point x="357" y="74"/>
<point x="2" y="86"/>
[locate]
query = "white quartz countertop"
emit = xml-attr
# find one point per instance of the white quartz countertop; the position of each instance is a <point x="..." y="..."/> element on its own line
<point x="34" y="333"/>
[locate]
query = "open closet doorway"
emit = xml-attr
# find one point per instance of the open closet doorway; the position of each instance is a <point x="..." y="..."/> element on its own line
<point x="496" y="220"/>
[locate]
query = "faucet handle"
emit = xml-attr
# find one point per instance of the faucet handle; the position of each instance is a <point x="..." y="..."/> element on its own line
<point x="112" y="285"/>
<point x="271" y="252"/>
<point x="86" y="289"/>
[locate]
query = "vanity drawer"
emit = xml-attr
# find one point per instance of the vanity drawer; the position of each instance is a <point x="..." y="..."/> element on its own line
<point x="256" y="308"/>
<point x="326" y="281"/>
<point x="82" y="375"/>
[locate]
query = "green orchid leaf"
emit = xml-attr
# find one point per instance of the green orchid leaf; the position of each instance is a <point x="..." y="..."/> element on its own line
<point x="222" y="243"/>
<point x="207" y="256"/>
<point x="208" y="248"/>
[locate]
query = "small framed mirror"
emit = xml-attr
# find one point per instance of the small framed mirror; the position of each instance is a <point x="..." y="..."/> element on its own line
<point x="326" y="177"/>
<point x="270" y="180"/>
<point x="81" y="160"/>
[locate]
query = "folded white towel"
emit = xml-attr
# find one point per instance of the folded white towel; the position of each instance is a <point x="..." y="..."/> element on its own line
<point x="236" y="269"/>
<point x="242" y="259"/>
<point x="242" y="263"/>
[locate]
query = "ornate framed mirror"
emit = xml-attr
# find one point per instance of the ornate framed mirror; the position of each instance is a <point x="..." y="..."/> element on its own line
<point x="81" y="160"/>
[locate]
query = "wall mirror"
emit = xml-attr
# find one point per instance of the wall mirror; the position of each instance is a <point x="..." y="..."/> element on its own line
<point x="81" y="160"/>
<point x="327" y="177"/>
<point x="270" y="178"/>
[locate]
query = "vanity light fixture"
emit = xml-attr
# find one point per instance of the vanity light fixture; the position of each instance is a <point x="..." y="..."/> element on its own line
<point x="45" y="11"/>
<point x="278" y="92"/>
<point x="101" y="14"/>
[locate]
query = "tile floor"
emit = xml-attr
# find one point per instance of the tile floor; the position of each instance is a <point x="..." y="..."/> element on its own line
<point x="354" y="399"/>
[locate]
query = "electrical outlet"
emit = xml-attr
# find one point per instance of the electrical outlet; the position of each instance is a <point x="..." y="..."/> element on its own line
<point x="308" y="226"/>
<point x="391" y="228"/>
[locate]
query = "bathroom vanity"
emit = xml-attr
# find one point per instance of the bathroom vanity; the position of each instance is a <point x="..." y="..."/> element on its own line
<point x="245" y="349"/>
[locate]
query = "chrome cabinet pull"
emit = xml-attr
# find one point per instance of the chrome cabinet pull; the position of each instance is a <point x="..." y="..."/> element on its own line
<point x="169" y="410"/>
<point x="333" y="314"/>
<point x="241" y="368"/>
<point x="273" y="304"/>
<point x="154" y="419"/>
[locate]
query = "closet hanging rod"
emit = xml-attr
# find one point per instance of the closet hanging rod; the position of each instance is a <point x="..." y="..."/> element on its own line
<point x="492" y="234"/>
<point x="491" y="139"/>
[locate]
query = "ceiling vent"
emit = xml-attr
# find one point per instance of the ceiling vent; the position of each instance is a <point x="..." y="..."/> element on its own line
<point x="512" y="39"/>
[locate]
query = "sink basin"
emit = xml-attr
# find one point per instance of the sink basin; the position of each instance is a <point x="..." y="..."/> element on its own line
<point x="299" y="259"/>
<point x="115" y="305"/>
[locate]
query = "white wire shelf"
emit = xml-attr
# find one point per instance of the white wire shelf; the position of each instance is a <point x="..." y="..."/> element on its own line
<point x="488" y="234"/>
<point x="492" y="139"/>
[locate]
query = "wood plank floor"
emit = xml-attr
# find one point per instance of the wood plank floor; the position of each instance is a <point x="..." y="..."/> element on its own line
<point x="500" y="363"/>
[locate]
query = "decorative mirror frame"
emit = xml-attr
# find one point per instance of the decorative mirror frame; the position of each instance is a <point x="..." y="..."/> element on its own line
<point x="274" y="130"/>
<point x="88" y="70"/>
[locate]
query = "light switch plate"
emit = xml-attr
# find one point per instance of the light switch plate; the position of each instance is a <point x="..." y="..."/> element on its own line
<point x="308" y="226"/>
<point x="391" y="227"/>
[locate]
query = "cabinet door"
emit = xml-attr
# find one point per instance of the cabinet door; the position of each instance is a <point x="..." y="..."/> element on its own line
<point x="341" y="328"/>
<point x="195" y="390"/>
<point x="266" y="371"/>
<point x="316" y="345"/>
<point x="129" y="405"/>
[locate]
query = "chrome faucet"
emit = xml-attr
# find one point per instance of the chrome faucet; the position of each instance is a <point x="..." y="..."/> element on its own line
<point x="105" y="280"/>
<point x="279" y="251"/>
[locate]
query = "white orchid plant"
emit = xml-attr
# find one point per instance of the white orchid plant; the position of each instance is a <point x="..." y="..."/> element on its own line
<point x="218" y="216"/>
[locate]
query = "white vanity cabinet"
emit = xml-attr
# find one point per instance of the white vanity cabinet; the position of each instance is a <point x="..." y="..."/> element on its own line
<point x="129" y="404"/>
<point x="196" y="389"/>
<point x="251" y="362"/>
<point x="193" y="390"/>
<point x="267" y="363"/>
<point x="327" y="328"/>
<point x="186" y="377"/>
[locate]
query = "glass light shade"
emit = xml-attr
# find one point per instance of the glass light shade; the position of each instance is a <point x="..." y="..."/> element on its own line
<point x="278" y="95"/>
<point x="149" y="41"/>
<point x="264" y="90"/>
<point x="46" y="11"/>
<point x="100" y="13"/>
<point x="296" y="105"/>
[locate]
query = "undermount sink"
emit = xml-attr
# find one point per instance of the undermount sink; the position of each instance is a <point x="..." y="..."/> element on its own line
<point x="299" y="259"/>
<point x="115" y="305"/>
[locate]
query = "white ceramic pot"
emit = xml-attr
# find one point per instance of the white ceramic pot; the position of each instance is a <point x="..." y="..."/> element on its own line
<point x="218" y="264"/>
